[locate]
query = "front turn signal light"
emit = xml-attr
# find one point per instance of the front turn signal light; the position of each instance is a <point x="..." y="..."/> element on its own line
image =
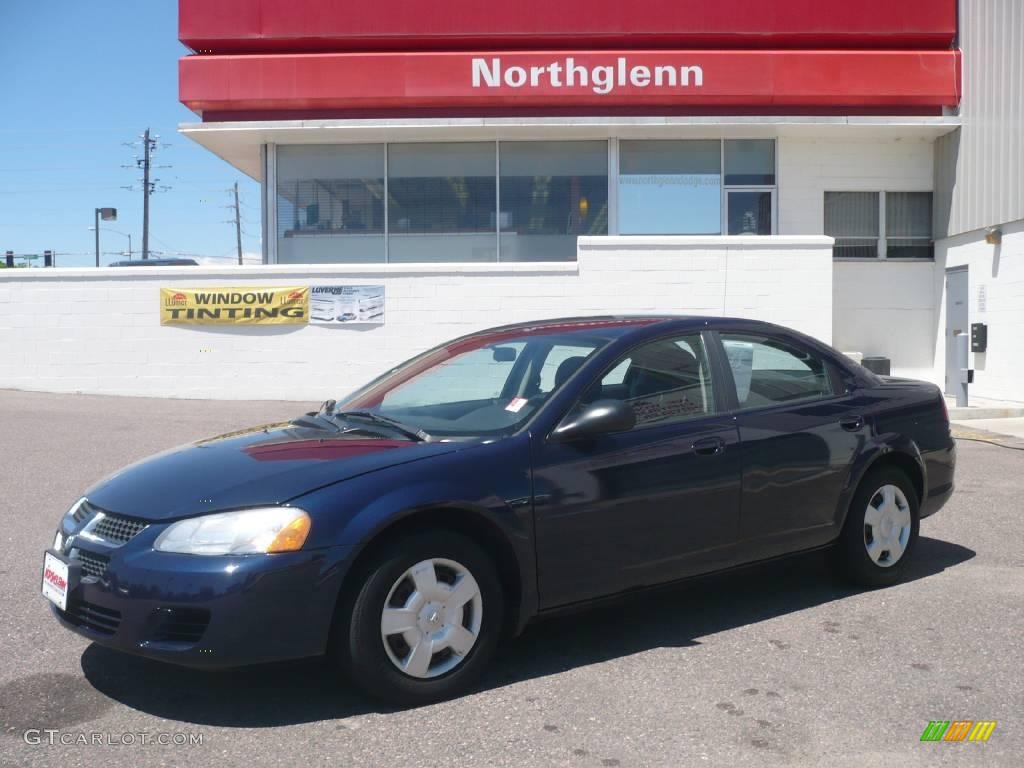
<point x="292" y="536"/>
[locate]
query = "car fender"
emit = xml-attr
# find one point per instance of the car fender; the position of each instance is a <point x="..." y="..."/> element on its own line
<point x="401" y="503"/>
<point x="877" y="449"/>
<point x="489" y="483"/>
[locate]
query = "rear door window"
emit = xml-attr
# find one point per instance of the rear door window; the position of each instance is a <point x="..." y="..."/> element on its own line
<point x="768" y="371"/>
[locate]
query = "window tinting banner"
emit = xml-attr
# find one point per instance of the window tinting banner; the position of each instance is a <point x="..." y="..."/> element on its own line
<point x="255" y="305"/>
<point x="341" y="304"/>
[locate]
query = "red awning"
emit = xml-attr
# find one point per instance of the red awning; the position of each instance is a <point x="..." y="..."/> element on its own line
<point x="294" y="26"/>
<point x="583" y="81"/>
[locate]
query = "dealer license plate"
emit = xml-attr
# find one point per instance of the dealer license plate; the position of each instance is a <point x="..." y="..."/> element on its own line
<point x="56" y="581"/>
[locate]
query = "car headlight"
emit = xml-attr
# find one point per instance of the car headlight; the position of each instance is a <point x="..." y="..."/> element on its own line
<point x="245" y="532"/>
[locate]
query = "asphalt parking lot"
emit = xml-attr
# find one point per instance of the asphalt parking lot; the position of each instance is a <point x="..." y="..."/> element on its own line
<point x="775" y="665"/>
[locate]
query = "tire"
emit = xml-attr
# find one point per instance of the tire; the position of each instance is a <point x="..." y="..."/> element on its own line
<point x="867" y="552"/>
<point x="457" y="638"/>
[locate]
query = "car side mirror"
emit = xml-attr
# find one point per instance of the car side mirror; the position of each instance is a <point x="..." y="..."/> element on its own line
<point x="598" y="418"/>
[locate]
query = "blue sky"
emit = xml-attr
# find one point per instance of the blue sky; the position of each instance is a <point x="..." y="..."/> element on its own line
<point x="78" y="80"/>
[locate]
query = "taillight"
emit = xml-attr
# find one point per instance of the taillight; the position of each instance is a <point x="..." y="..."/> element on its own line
<point x="945" y="407"/>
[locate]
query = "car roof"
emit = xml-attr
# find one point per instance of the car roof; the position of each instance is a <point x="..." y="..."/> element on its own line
<point x="157" y="263"/>
<point x="612" y="327"/>
<point x="617" y="325"/>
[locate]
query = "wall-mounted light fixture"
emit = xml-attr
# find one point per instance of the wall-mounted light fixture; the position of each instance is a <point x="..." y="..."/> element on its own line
<point x="993" y="235"/>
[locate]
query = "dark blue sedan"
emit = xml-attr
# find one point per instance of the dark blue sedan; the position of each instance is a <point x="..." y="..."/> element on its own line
<point x="506" y="475"/>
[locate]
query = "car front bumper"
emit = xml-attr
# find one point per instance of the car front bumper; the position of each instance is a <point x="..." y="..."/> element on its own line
<point x="201" y="611"/>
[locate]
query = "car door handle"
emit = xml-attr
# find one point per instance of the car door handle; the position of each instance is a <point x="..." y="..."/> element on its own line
<point x="852" y="423"/>
<point x="709" y="446"/>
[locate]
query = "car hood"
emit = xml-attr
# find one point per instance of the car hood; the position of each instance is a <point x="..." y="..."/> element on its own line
<point x="263" y="465"/>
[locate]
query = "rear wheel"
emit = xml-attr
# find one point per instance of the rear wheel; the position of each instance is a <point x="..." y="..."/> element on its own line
<point x="424" y="620"/>
<point x="881" y="529"/>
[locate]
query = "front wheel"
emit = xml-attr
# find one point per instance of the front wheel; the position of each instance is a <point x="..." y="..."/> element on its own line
<point x="424" y="621"/>
<point x="881" y="529"/>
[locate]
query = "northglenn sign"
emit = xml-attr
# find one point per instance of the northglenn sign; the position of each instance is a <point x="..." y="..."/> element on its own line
<point x="582" y="82"/>
<point x="601" y="78"/>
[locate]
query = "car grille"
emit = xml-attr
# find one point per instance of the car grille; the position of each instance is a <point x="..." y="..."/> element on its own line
<point x="93" y="565"/>
<point x="178" y="625"/>
<point x="117" y="529"/>
<point x="103" y="621"/>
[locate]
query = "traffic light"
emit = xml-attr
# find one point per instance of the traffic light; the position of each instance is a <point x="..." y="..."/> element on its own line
<point x="10" y="259"/>
<point x="47" y="258"/>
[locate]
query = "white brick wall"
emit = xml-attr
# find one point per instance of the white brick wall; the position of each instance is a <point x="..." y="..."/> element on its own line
<point x="98" y="330"/>
<point x="879" y="307"/>
<point x="889" y="308"/>
<point x="999" y="372"/>
<point x="898" y="309"/>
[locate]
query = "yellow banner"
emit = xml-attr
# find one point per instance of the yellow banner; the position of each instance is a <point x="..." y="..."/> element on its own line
<point x="255" y="305"/>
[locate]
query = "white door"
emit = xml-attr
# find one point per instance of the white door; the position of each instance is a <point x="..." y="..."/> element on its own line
<point x="956" y="321"/>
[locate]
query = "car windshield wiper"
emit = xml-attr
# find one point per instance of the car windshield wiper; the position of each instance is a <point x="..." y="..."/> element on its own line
<point x="413" y="433"/>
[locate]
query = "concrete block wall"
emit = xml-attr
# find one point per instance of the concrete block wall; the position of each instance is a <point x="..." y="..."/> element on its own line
<point x="880" y="307"/>
<point x="888" y="308"/>
<point x="98" y="330"/>
<point x="810" y="167"/>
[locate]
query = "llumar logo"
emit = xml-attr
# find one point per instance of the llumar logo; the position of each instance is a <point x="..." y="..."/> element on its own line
<point x="958" y="730"/>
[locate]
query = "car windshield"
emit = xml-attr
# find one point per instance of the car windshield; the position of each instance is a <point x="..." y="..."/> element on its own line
<point x="483" y="385"/>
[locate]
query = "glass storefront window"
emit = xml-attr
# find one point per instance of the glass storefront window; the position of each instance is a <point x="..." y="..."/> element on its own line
<point x="442" y="202"/>
<point x="670" y="188"/>
<point x="484" y="201"/>
<point x="750" y="162"/>
<point x="330" y="204"/>
<point x="750" y="212"/>
<point x="552" y="192"/>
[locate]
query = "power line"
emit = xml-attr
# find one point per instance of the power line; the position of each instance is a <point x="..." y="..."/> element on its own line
<point x="165" y="245"/>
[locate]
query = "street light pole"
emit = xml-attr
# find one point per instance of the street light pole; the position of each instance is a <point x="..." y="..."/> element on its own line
<point x="107" y="214"/>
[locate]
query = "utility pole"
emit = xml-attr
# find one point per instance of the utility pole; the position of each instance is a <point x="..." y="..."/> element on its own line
<point x="147" y="149"/>
<point x="238" y="225"/>
<point x="145" y="163"/>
